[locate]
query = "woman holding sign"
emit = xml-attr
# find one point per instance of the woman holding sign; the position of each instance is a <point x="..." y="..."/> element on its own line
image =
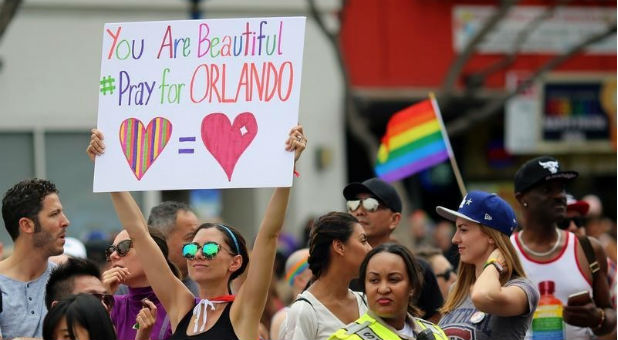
<point x="216" y="255"/>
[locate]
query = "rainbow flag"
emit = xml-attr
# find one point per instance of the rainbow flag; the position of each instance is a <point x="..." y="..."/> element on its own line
<point x="413" y="142"/>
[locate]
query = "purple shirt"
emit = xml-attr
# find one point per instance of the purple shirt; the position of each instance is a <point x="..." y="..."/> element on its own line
<point x="128" y="306"/>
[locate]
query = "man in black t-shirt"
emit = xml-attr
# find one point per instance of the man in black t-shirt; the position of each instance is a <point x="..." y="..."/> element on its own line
<point x="377" y="206"/>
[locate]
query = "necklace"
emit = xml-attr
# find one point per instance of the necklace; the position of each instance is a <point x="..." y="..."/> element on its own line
<point x="539" y="254"/>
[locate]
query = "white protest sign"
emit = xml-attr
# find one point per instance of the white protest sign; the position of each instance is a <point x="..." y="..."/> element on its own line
<point x="197" y="104"/>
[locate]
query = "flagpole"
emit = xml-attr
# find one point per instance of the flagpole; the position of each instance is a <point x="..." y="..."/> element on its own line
<point x="451" y="155"/>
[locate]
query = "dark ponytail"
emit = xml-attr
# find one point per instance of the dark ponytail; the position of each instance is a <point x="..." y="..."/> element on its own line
<point x="328" y="228"/>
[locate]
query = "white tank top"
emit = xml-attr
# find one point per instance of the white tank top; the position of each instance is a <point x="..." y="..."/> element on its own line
<point x="562" y="270"/>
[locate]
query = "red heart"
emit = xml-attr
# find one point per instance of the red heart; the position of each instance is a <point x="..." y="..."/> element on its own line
<point x="227" y="141"/>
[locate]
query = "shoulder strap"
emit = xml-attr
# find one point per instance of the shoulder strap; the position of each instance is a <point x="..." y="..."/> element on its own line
<point x="306" y="300"/>
<point x="164" y="326"/>
<point x="361" y="296"/>
<point x="314" y="311"/>
<point x="590" y="255"/>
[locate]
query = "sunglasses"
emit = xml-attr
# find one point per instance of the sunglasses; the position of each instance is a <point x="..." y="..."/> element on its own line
<point x="447" y="274"/>
<point x="209" y="250"/>
<point x="122" y="248"/>
<point x="564" y="224"/>
<point x="370" y="204"/>
<point x="106" y="299"/>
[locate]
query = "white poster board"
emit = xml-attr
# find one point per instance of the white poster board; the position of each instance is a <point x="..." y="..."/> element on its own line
<point x="198" y="104"/>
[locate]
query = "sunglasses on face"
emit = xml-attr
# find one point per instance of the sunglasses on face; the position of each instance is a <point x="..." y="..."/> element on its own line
<point x="209" y="250"/>
<point x="122" y="248"/>
<point x="446" y="275"/>
<point x="106" y="299"/>
<point x="370" y="204"/>
<point x="564" y="224"/>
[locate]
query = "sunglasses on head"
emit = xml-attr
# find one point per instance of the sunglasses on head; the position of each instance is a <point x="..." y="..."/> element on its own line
<point x="370" y="204"/>
<point x="564" y="224"/>
<point x="209" y="250"/>
<point x="107" y="300"/>
<point x="122" y="248"/>
<point x="447" y="274"/>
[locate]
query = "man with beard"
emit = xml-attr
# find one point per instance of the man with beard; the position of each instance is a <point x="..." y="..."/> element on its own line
<point x="557" y="259"/>
<point x="34" y="219"/>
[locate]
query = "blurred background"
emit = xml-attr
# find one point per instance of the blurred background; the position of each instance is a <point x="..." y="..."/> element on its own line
<point x="514" y="80"/>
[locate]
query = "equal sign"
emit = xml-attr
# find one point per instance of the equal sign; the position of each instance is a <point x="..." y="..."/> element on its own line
<point x="186" y="139"/>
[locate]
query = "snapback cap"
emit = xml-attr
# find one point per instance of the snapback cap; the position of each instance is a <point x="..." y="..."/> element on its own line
<point x="484" y="208"/>
<point x="534" y="171"/>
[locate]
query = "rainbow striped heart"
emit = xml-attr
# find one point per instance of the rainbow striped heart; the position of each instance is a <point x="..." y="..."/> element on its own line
<point x="140" y="146"/>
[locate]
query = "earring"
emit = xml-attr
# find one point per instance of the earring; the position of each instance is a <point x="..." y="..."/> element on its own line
<point x="525" y="204"/>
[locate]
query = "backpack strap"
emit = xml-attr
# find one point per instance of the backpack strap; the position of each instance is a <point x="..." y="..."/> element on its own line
<point x="590" y="255"/>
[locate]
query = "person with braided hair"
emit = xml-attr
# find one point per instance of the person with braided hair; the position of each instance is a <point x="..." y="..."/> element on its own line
<point x="338" y="244"/>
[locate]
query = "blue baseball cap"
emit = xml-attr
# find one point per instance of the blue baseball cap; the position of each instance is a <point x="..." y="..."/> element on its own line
<point x="484" y="208"/>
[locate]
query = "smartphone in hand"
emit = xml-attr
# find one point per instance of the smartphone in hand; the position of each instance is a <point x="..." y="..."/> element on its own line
<point x="579" y="298"/>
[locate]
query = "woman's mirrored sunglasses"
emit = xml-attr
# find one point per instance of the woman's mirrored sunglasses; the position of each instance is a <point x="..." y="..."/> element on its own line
<point x="122" y="248"/>
<point x="370" y="204"/>
<point x="209" y="250"/>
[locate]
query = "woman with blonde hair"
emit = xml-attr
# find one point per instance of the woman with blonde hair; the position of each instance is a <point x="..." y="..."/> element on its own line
<point x="492" y="298"/>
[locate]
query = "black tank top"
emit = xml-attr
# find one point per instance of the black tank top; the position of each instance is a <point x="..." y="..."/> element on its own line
<point x="222" y="329"/>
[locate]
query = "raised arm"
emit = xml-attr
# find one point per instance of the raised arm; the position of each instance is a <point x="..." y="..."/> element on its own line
<point x="174" y="296"/>
<point x="489" y="296"/>
<point x="251" y="299"/>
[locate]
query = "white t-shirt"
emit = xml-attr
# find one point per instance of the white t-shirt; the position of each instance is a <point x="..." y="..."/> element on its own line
<point x="310" y="319"/>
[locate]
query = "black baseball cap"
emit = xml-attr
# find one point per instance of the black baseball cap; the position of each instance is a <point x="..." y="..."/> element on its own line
<point x="383" y="191"/>
<point x="540" y="169"/>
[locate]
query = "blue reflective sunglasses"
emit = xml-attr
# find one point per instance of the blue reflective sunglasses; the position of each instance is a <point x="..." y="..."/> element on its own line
<point x="209" y="250"/>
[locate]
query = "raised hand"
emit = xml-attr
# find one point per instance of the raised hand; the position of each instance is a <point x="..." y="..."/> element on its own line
<point x="145" y="319"/>
<point x="296" y="141"/>
<point x="497" y="254"/>
<point x="96" y="146"/>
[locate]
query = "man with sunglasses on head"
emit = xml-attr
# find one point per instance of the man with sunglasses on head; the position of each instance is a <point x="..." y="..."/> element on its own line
<point x="35" y="220"/>
<point x="547" y="253"/>
<point x="377" y="206"/>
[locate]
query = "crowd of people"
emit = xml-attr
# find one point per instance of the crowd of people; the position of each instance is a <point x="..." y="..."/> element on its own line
<point x="542" y="276"/>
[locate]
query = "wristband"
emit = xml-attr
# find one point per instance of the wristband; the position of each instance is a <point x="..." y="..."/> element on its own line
<point x="496" y="264"/>
<point x="600" y="325"/>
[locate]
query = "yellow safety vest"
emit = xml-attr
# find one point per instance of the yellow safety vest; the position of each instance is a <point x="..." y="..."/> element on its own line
<point x="368" y="328"/>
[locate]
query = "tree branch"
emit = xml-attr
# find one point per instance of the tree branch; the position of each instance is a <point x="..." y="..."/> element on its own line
<point x="478" y="78"/>
<point x="460" y="125"/>
<point x="453" y="73"/>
